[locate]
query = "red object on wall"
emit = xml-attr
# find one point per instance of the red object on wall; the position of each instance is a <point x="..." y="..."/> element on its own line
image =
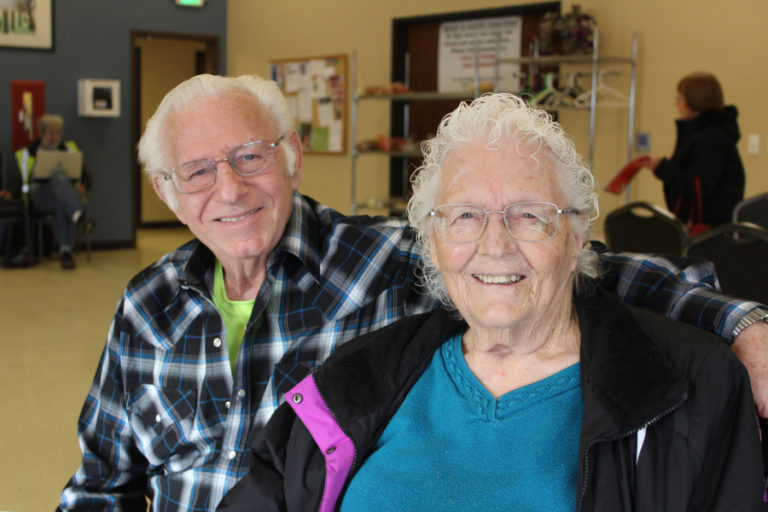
<point x="27" y="105"/>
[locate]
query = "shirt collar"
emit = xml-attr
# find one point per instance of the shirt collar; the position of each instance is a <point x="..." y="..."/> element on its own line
<point x="298" y="246"/>
<point x="300" y="239"/>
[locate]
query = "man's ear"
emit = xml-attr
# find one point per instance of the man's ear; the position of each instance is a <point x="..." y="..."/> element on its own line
<point x="158" y="182"/>
<point x="295" y="143"/>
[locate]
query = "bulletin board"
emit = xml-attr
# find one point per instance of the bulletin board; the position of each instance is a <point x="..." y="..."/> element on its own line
<point x="316" y="90"/>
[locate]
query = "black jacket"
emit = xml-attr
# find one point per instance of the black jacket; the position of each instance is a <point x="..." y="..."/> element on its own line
<point x="705" y="148"/>
<point x="701" y="450"/>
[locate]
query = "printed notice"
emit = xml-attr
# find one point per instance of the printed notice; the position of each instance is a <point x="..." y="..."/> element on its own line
<point x="470" y="49"/>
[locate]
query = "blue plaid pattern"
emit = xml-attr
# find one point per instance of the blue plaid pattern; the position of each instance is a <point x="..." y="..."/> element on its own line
<point x="167" y="419"/>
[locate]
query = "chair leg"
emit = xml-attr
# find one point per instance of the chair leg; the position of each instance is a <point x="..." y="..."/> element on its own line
<point x="87" y="236"/>
<point x="40" y="249"/>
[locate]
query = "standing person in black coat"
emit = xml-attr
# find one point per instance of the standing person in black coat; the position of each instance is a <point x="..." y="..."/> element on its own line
<point x="707" y="133"/>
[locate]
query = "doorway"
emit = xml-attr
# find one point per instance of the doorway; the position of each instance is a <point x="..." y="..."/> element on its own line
<point x="160" y="61"/>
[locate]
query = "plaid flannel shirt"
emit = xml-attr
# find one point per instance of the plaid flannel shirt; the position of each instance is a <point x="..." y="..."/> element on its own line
<point x="167" y="419"/>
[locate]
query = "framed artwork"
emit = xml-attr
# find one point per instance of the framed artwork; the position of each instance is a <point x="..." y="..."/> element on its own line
<point x="26" y="24"/>
<point x="316" y="90"/>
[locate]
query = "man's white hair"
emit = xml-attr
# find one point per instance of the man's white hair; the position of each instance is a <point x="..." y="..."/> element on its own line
<point x="155" y="144"/>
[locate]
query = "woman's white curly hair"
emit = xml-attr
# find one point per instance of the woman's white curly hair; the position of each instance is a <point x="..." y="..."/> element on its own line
<point x="155" y="144"/>
<point x="494" y="120"/>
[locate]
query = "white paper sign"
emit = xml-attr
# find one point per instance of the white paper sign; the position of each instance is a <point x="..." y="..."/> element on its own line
<point x="463" y="43"/>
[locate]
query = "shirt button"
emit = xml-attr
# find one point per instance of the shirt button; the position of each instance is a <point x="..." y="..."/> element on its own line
<point x="217" y="342"/>
<point x="241" y="393"/>
<point x="232" y="454"/>
<point x="227" y="404"/>
<point x="158" y="418"/>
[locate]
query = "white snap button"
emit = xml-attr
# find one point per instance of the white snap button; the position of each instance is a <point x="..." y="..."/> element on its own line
<point x="231" y="455"/>
<point x="227" y="404"/>
<point x="241" y="393"/>
<point x="217" y="342"/>
<point x="158" y="418"/>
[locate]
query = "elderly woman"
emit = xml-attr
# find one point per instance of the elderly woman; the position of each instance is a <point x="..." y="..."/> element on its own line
<point x="531" y="389"/>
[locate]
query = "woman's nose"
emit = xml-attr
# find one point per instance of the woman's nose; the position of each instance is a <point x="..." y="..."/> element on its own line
<point x="496" y="238"/>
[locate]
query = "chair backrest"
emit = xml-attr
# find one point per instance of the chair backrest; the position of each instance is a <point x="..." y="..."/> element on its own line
<point x="739" y="251"/>
<point x="643" y="227"/>
<point x="753" y="209"/>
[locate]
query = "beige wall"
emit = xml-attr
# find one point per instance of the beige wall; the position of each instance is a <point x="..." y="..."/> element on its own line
<point x="674" y="38"/>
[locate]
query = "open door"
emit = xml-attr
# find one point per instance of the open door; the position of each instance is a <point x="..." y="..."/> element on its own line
<point x="160" y="62"/>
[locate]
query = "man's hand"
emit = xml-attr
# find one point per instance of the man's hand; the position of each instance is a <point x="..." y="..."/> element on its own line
<point x="751" y="347"/>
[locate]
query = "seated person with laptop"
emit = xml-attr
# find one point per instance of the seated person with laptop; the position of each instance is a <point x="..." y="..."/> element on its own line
<point x="49" y="186"/>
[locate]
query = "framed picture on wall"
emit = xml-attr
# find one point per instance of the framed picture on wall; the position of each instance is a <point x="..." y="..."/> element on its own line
<point x="26" y="24"/>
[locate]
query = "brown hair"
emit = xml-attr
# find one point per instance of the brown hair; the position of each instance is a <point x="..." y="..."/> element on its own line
<point x="701" y="91"/>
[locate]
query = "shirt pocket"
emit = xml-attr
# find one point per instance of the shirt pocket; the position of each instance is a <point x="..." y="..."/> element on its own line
<point x="163" y="423"/>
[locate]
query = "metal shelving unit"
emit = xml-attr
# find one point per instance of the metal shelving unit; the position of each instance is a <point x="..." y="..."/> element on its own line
<point x="594" y="61"/>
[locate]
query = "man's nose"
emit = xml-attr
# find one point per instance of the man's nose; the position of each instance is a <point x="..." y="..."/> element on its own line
<point x="227" y="180"/>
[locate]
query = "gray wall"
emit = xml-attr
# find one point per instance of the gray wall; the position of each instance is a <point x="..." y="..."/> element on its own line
<point x="92" y="40"/>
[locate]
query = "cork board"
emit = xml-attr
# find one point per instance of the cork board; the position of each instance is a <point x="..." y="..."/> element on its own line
<point x="316" y="89"/>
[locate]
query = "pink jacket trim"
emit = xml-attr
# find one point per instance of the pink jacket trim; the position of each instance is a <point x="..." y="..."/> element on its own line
<point x="337" y="448"/>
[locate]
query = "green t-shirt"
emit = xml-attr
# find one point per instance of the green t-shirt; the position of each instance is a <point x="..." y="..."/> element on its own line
<point x="235" y="314"/>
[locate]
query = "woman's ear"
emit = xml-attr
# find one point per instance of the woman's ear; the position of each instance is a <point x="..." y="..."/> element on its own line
<point x="433" y="252"/>
<point x="578" y="245"/>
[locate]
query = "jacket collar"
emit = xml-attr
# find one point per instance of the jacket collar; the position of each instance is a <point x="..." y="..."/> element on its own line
<point x="623" y="370"/>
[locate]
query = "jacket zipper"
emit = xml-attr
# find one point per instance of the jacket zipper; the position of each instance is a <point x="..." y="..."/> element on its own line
<point x="583" y="491"/>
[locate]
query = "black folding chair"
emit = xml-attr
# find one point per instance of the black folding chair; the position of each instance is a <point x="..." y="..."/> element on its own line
<point x="644" y="227"/>
<point x="15" y="214"/>
<point x="739" y="251"/>
<point x="753" y="209"/>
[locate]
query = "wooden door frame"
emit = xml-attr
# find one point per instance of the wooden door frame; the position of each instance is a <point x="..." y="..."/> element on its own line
<point x="210" y="64"/>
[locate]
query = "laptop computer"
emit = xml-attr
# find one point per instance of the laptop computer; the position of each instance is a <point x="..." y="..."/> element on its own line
<point x="49" y="162"/>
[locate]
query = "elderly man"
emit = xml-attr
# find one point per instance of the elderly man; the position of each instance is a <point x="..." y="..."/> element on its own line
<point x="57" y="194"/>
<point x="206" y="341"/>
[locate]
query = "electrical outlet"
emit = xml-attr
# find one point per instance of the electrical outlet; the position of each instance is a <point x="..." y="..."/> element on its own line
<point x="753" y="144"/>
<point x="643" y="142"/>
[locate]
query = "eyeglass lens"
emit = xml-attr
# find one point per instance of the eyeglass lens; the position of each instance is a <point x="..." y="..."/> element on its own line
<point x="245" y="160"/>
<point x="528" y="222"/>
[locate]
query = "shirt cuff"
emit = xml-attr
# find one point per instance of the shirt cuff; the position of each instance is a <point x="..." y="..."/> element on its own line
<point x="758" y="314"/>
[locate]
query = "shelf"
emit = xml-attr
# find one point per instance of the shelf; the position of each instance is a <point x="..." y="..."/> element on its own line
<point x="567" y="59"/>
<point x="418" y="96"/>
<point x="393" y="204"/>
<point x="414" y="153"/>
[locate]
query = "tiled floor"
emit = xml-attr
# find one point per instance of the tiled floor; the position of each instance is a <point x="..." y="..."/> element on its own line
<point x="53" y="324"/>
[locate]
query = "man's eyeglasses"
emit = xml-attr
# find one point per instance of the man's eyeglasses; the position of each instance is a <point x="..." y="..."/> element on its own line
<point x="526" y="222"/>
<point x="246" y="160"/>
